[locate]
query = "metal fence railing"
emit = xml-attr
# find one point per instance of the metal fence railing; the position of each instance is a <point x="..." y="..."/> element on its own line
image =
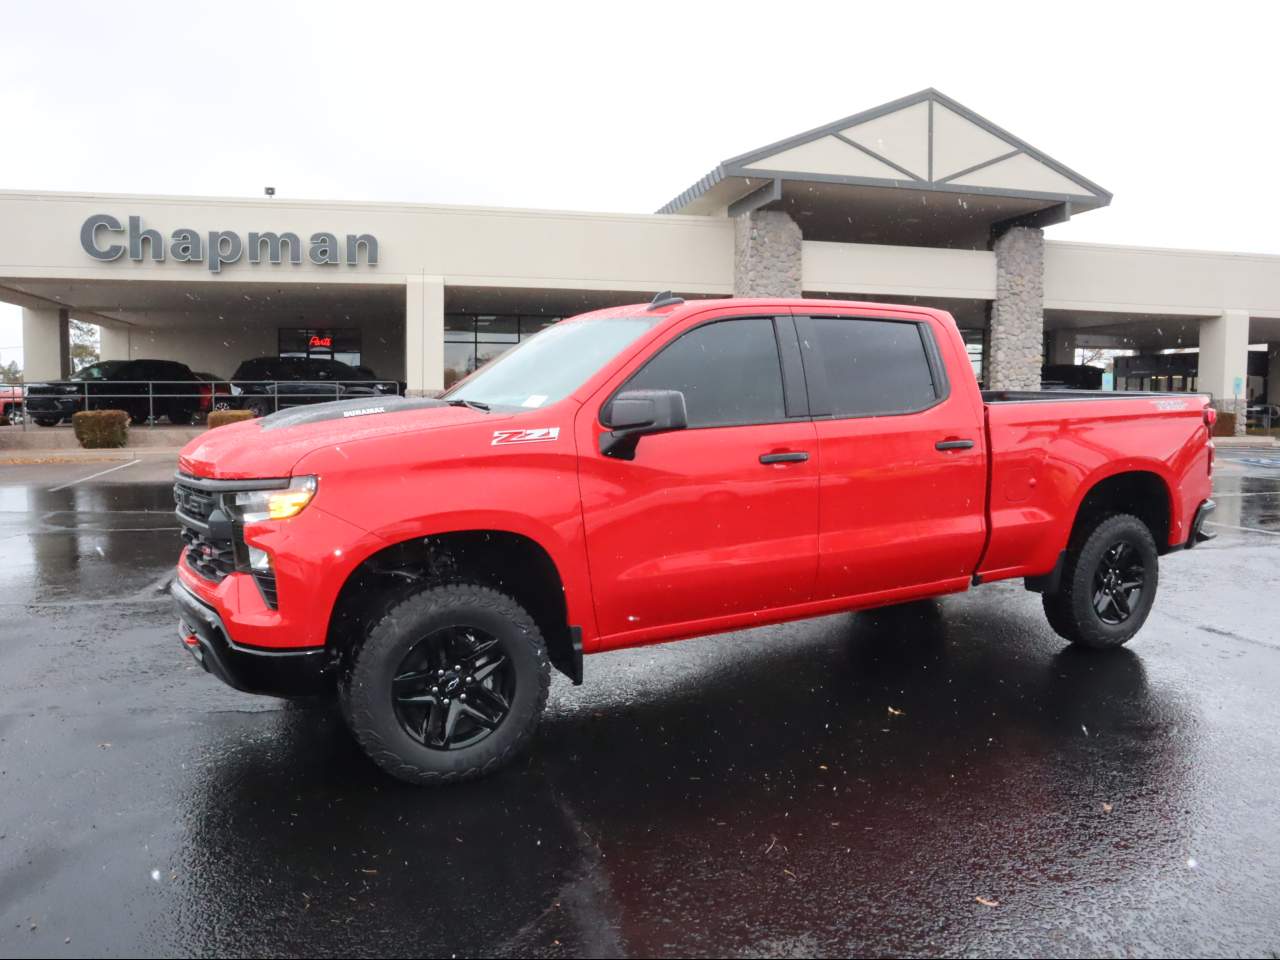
<point x="50" y="402"/>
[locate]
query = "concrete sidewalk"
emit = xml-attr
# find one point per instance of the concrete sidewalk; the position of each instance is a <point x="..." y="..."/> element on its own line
<point x="63" y="439"/>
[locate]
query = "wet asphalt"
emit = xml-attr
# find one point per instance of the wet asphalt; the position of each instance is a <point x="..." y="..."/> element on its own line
<point x="845" y="786"/>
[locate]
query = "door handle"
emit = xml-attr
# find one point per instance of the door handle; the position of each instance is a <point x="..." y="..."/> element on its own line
<point x="953" y="445"/>
<point x="798" y="456"/>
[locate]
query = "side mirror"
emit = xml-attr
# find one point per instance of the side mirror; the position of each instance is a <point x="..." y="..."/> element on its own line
<point x="633" y="414"/>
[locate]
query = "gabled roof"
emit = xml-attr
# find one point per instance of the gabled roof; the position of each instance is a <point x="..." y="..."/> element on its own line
<point x="925" y="141"/>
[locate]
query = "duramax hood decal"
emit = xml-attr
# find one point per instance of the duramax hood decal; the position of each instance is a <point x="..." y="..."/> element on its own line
<point x="341" y="409"/>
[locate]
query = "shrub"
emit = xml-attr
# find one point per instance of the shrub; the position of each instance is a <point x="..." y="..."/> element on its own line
<point x="1226" y="425"/>
<point x="4" y="421"/>
<point x="97" y="429"/>
<point x="220" y="418"/>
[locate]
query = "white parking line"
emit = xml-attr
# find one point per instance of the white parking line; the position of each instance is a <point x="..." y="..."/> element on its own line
<point x="100" y="473"/>
<point x="1232" y="526"/>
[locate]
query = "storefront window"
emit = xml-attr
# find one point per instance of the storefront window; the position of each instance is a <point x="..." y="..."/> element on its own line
<point x="342" y="345"/>
<point x="472" y="340"/>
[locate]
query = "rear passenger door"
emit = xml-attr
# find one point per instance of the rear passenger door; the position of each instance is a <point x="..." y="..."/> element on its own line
<point x="716" y="522"/>
<point x="902" y="498"/>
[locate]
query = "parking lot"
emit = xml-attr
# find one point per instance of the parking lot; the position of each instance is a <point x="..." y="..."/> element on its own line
<point x="942" y="778"/>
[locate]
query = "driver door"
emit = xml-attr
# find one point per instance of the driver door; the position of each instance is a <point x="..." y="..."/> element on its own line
<point x="707" y="526"/>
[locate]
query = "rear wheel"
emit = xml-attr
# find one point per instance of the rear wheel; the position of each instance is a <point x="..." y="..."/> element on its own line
<point x="448" y="685"/>
<point x="181" y="416"/>
<point x="47" y="421"/>
<point x="259" y="407"/>
<point x="1108" y="583"/>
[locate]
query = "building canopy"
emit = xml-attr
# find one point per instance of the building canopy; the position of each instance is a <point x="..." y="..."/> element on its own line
<point x="923" y="161"/>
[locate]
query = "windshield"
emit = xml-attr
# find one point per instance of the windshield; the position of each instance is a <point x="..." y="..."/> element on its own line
<point x="98" y="371"/>
<point x="551" y="364"/>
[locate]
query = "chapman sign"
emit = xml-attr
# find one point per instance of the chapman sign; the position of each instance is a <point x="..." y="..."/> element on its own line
<point x="103" y="238"/>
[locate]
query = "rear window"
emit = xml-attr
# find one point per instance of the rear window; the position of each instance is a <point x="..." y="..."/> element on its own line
<point x="873" y="367"/>
<point x="264" y="369"/>
<point x="161" y="370"/>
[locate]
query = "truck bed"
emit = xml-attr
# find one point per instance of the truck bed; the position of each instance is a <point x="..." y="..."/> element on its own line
<point x="1047" y="447"/>
<point x="1031" y="396"/>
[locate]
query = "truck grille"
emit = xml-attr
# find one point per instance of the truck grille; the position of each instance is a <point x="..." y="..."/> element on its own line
<point x="212" y="558"/>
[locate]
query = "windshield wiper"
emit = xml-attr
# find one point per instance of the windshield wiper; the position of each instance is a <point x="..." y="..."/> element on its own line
<point x="473" y="404"/>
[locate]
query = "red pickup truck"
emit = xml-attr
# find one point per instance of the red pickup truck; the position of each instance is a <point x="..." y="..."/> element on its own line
<point x="652" y="472"/>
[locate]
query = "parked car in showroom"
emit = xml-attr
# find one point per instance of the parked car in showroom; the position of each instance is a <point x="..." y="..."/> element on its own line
<point x="142" y="388"/>
<point x="268" y="384"/>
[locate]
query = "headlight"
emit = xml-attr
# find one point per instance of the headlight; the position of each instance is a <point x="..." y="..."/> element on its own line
<point x="251" y="506"/>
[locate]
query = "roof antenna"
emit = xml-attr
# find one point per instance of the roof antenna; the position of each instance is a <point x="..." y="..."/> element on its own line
<point x="665" y="299"/>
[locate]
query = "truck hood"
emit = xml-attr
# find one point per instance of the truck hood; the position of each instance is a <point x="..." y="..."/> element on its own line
<point x="271" y="445"/>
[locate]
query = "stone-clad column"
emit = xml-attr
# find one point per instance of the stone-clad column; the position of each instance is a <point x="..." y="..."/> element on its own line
<point x="766" y="255"/>
<point x="1017" y="313"/>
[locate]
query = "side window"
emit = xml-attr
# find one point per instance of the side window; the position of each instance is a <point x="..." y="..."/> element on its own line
<point x="728" y="371"/>
<point x="873" y="366"/>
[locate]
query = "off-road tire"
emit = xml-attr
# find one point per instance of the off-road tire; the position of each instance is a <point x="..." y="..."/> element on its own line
<point x="364" y="689"/>
<point x="1070" y="610"/>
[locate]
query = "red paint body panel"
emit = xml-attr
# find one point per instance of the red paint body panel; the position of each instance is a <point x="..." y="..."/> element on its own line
<point x="695" y="535"/>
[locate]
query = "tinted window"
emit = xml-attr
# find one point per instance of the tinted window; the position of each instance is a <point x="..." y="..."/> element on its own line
<point x="336" y="370"/>
<point x="104" y="370"/>
<point x="261" y="369"/>
<point x="873" y="366"/>
<point x="729" y="373"/>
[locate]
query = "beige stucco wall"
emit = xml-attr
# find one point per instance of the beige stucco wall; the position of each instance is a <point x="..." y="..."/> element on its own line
<point x="1136" y="280"/>
<point x="898" y="271"/>
<point x="465" y="245"/>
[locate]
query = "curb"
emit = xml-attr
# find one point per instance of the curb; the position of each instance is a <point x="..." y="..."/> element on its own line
<point x="11" y="456"/>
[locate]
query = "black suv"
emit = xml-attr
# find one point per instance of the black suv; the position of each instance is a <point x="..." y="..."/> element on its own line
<point x="292" y="381"/>
<point x="142" y="388"/>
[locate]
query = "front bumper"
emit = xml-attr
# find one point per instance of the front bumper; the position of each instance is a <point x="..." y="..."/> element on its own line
<point x="278" y="673"/>
<point x="50" y="405"/>
<point x="1198" y="533"/>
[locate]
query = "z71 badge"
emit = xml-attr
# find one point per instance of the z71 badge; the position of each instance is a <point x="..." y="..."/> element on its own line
<point x="538" y="435"/>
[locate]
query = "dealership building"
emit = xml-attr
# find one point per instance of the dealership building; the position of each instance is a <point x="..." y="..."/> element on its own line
<point x="917" y="201"/>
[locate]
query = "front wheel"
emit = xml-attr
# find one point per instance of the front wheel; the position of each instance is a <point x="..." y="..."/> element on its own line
<point x="1108" y="584"/>
<point x="448" y="685"/>
<point x="47" y="421"/>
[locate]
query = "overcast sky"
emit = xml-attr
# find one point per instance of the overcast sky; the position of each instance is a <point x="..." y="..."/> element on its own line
<point x="614" y="107"/>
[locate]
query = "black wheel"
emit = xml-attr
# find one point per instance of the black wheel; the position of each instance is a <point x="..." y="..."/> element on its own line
<point x="181" y="416"/>
<point x="448" y="685"/>
<point x="1108" y="584"/>
<point x="259" y="408"/>
<point x="47" y="421"/>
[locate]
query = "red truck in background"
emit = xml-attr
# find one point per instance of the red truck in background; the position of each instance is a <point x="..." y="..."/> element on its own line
<point x="653" y="472"/>
<point x="10" y="401"/>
